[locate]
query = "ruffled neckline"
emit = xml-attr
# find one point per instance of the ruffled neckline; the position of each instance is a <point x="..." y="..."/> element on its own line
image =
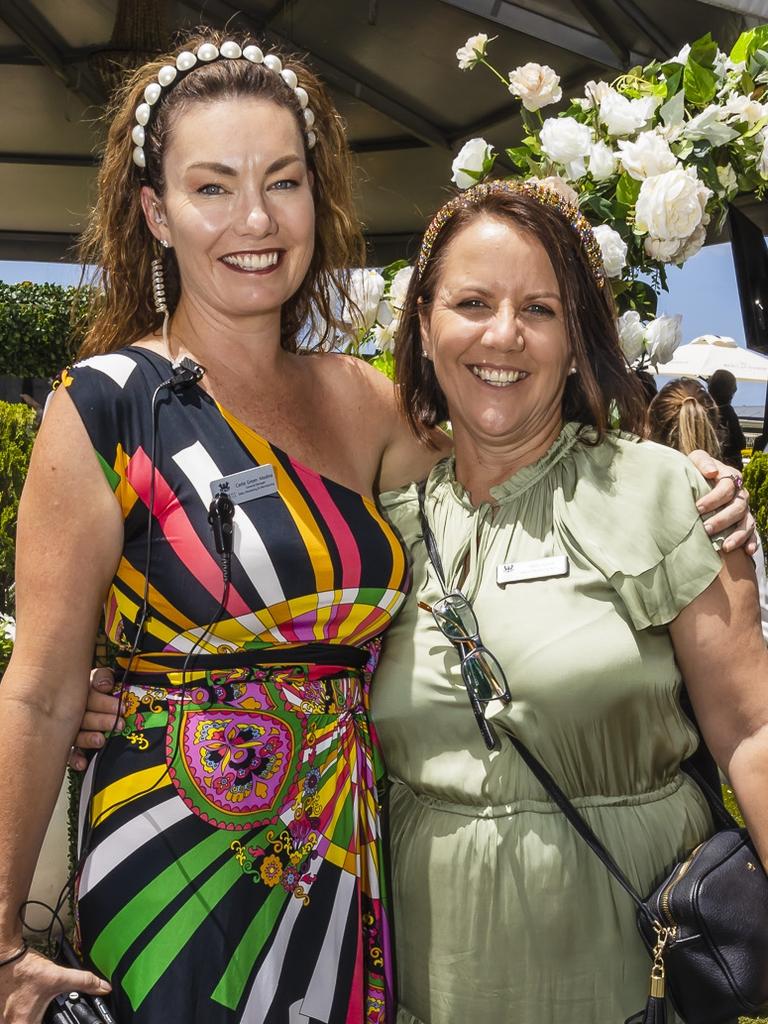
<point x="444" y="472"/>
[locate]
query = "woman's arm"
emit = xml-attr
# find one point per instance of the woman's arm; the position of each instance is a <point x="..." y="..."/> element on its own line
<point x="723" y="658"/>
<point x="69" y="542"/>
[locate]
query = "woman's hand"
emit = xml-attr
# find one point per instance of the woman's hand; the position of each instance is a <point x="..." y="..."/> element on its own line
<point x="29" y="984"/>
<point x="101" y="715"/>
<point x="728" y="500"/>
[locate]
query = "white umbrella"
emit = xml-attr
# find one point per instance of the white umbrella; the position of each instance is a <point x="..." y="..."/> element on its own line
<point x="702" y="356"/>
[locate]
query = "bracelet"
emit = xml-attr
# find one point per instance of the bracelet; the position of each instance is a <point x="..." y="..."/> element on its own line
<point x="15" y="956"/>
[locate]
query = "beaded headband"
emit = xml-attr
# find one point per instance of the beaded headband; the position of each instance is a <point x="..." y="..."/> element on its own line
<point x="541" y="193"/>
<point x="205" y="54"/>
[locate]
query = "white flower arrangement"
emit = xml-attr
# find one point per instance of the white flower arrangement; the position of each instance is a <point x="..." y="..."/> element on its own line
<point x="652" y="159"/>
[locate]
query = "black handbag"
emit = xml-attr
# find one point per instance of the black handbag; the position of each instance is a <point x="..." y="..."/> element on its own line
<point x="705" y="926"/>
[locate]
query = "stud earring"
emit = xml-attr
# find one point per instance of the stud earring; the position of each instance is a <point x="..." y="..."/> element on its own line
<point x="572" y="371"/>
<point x="424" y="354"/>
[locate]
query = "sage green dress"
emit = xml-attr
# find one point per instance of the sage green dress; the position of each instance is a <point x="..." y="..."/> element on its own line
<point x="502" y="914"/>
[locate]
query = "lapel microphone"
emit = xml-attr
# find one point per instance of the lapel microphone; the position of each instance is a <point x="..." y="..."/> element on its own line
<point x="185" y="373"/>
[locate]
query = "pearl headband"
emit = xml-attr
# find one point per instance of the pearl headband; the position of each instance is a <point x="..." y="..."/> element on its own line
<point x="204" y="54"/>
<point x="542" y="194"/>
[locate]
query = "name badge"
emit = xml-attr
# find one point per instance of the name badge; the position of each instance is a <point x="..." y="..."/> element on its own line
<point x="258" y="482"/>
<point x="537" y="569"/>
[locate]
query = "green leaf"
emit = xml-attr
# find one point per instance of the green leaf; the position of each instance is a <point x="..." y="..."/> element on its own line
<point x="601" y="206"/>
<point x="627" y="190"/>
<point x="748" y="43"/>
<point x="700" y="83"/>
<point x="519" y="155"/>
<point x="673" y="80"/>
<point x="704" y="51"/>
<point x="673" y="111"/>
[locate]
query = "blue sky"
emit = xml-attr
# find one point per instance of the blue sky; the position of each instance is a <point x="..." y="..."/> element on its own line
<point x="704" y="291"/>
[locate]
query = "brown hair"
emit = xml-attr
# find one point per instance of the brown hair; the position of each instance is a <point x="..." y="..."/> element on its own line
<point x="684" y="416"/>
<point x="602" y="380"/>
<point x="118" y="242"/>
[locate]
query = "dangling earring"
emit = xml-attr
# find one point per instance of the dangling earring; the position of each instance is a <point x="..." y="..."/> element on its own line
<point x="158" y="290"/>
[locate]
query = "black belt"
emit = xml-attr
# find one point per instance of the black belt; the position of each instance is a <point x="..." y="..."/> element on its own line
<point x="343" y="655"/>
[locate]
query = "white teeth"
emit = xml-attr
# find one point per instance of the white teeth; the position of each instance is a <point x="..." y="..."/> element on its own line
<point x="499" y="378"/>
<point x="252" y="260"/>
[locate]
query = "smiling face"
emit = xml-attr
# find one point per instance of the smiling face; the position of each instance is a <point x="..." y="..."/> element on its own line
<point x="237" y="206"/>
<point x="496" y="334"/>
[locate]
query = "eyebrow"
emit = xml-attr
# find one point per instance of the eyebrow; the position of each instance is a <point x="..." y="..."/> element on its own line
<point x="230" y="172"/>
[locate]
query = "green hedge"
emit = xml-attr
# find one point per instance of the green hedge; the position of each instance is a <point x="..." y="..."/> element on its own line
<point x="16" y="437"/>
<point x="41" y="328"/>
<point x="756" y="480"/>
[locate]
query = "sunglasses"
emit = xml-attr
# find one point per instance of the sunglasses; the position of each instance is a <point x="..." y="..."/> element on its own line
<point x="481" y="672"/>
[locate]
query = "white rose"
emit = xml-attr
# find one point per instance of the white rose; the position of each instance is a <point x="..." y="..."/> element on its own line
<point x="567" y="142"/>
<point x="762" y="163"/>
<point x="536" y="85"/>
<point x="664" y="250"/>
<point x="622" y="116"/>
<point x="472" y="156"/>
<point x="663" y="335"/>
<point x="472" y="51"/>
<point x="398" y="287"/>
<point x="709" y="125"/>
<point x="366" y="288"/>
<point x="671" y="205"/>
<point x="682" y="57"/>
<point x="692" y="245"/>
<point x="648" y="155"/>
<point x="631" y="335"/>
<point x="559" y="185"/>
<point x="613" y="248"/>
<point x="739" y="107"/>
<point x="729" y="180"/>
<point x="602" y="161"/>
<point x="384" y="335"/>
<point x="594" y="93"/>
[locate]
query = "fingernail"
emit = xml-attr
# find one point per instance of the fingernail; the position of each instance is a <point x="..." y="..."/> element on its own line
<point x="98" y="740"/>
<point x="699" y="507"/>
<point x="121" y="724"/>
<point x="709" y="528"/>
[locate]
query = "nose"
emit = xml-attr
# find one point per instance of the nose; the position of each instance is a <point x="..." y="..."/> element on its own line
<point x="253" y="216"/>
<point x="505" y="332"/>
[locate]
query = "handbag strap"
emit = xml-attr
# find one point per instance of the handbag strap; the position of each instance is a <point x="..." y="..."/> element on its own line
<point x="575" y="819"/>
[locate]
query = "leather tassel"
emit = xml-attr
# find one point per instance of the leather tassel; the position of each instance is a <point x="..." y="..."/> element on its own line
<point x="655" y="1010"/>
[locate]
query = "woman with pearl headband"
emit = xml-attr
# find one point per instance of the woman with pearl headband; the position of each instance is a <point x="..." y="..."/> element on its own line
<point x="231" y="862"/>
<point x="231" y="856"/>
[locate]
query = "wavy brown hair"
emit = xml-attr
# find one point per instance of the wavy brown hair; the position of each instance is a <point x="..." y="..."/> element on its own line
<point x="118" y="242"/>
<point x="685" y="416"/>
<point x="603" y="381"/>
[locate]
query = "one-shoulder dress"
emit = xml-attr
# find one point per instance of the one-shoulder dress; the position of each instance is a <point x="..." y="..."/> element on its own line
<point x="502" y="914"/>
<point x="231" y="833"/>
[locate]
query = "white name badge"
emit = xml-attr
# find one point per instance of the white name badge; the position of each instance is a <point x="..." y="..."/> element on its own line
<point x="537" y="569"/>
<point x="258" y="482"/>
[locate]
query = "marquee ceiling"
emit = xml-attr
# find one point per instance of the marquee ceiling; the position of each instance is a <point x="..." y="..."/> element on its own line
<point x="389" y="63"/>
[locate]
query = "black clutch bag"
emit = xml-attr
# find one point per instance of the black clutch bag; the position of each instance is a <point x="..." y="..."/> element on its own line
<point x="706" y="926"/>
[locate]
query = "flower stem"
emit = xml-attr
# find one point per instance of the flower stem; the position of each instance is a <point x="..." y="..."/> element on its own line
<point x="498" y="74"/>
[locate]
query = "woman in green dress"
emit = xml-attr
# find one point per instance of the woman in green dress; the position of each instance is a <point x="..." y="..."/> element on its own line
<point x="595" y="585"/>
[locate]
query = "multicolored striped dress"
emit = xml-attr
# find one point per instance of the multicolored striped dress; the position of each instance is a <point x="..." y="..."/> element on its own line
<point x="231" y="833"/>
